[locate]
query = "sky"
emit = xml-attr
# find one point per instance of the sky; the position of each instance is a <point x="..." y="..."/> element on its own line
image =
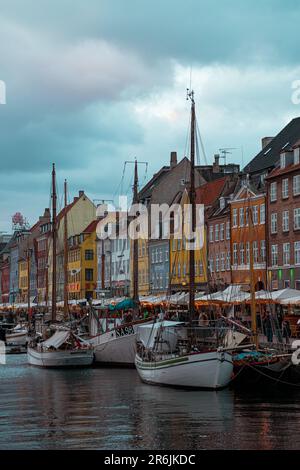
<point x="91" y="84"/>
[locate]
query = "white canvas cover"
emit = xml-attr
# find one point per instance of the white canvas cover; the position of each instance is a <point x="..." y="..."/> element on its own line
<point x="147" y="333"/>
<point x="56" y="340"/>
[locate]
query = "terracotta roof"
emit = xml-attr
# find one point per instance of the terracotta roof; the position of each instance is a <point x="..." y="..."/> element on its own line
<point x="209" y="192"/>
<point x="282" y="171"/>
<point x="91" y="227"/>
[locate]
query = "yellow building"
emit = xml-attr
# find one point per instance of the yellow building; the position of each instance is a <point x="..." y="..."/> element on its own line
<point x="180" y="256"/>
<point x="23" y="281"/>
<point x="82" y="264"/>
<point x="80" y="213"/>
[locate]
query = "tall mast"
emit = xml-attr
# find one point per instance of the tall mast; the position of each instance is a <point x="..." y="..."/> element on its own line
<point x="66" y="307"/>
<point x="193" y="205"/>
<point x="54" y="238"/>
<point x="28" y="282"/>
<point x="135" y="243"/>
<point x="252" y="280"/>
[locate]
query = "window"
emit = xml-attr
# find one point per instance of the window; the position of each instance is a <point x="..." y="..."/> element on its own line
<point x="274" y="251"/>
<point x="235" y="254"/>
<point x="241" y="217"/>
<point x="297" y="252"/>
<point x="285" y="188"/>
<point x="274" y="222"/>
<point x="89" y="273"/>
<point x="227" y="230"/>
<point x="234" y="218"/>
<point x="242" y="253"/>
<point x="255" y="214"/>
<point x="285" y="221"/>
<point x="273" y="192"/>
<point x="228" y="261"/>
<point x="221" y="232"/>
<point x="89" y="254"/>
<point x="263" y="251"/>
<point x="217" y="232"/>
<point x="255" y="252"/>
<point x="247" y="252"/>
<point x="223" y="261"/>
<point x="286" y="253"/>
<point x="297" y="156"/>
<point x="211" y="233"/>
<point x="217" y="264"/>
<point x="296" y="185"/>
<point x="282" y="160"/>
<point x="297" y="218"/>
<point x="211" y="265"/>
<point x="262" y="214"/>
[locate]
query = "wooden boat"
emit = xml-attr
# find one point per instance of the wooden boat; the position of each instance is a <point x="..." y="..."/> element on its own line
<point x="17" y="336"/>
<point x="178" y="354"/>
<point x="62" y="349"/>
<point x="172" y="354"/>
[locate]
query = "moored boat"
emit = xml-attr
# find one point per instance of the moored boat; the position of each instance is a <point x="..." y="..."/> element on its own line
<point x="63" y="349"/>
<point x="173" y="354"/>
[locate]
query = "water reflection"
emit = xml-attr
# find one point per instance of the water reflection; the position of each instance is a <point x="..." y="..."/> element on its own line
<point x="112" y="409"/>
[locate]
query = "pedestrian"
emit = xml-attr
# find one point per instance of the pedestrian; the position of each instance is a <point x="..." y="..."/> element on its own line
<point x="286" y="331"/>
<point x="268" y="328"/>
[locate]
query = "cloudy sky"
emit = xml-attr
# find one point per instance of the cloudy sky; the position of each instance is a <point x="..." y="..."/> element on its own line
<point x="92" y="83"/>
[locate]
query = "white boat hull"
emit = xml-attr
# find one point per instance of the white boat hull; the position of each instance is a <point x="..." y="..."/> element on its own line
<point x="17" y="339"/>
<point x="209" y="370"/>
<point x="112" y="349"/>
<point x="60" y="358"/>
<point x="117" y="346"/>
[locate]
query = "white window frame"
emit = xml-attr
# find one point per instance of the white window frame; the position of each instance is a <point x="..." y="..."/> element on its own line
<point x="274" y="255"/>
<point x="296" y="185"/>
<point x="285" y="221"/>
<point x="262" y="215"/>
<point x="285" y="188"/>
<point x="297" y="218"/>
<point x="286" y="254"/>
<point x="274" y="224"/>
<point x="273" y="191"/>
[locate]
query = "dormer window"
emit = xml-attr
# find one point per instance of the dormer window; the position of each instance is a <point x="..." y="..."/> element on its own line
<point x="296" y="156"/>
<point x="282" y="160"/>
<point x="222" y="202"/>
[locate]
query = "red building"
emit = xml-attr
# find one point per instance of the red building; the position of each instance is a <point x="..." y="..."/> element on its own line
<point x="283" y="211"/>
<point x="41" y="252"/>
<point x="5" y="269"/>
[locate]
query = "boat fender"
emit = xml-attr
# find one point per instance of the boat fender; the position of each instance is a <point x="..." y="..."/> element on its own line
<point x="296" y="353"/>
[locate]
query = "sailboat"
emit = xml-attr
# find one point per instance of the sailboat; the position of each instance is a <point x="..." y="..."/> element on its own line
<point x="117" y="345"/>
<point x="179" y="354"/>
<point x="64" y="348"/>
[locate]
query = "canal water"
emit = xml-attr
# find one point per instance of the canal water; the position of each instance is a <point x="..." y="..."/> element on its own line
<point x="111" y="409"/>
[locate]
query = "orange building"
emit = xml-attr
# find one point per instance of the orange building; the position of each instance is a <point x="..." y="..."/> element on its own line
<point x="248" y="229"/>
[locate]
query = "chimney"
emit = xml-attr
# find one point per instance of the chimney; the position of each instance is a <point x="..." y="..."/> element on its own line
<point x="81" y="193"/>
<point x="173" y="159"/>
<point x="216" y="164"/>
<point x="265" y="141"/>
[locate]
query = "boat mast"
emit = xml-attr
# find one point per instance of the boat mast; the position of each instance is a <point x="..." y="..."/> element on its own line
<point x="54" y="238"/>
<point x="252" y="280"/>
<point x="190" y="95"/>
<point x="28" y="283"/>
<point x="66" y="307"/>
<point x="135" y="245"/>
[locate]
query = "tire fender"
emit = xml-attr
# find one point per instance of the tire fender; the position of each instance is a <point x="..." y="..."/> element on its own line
<point x="296" y="353"/>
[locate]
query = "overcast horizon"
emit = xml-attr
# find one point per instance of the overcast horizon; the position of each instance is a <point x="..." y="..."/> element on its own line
<point x="91" y="84"/>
